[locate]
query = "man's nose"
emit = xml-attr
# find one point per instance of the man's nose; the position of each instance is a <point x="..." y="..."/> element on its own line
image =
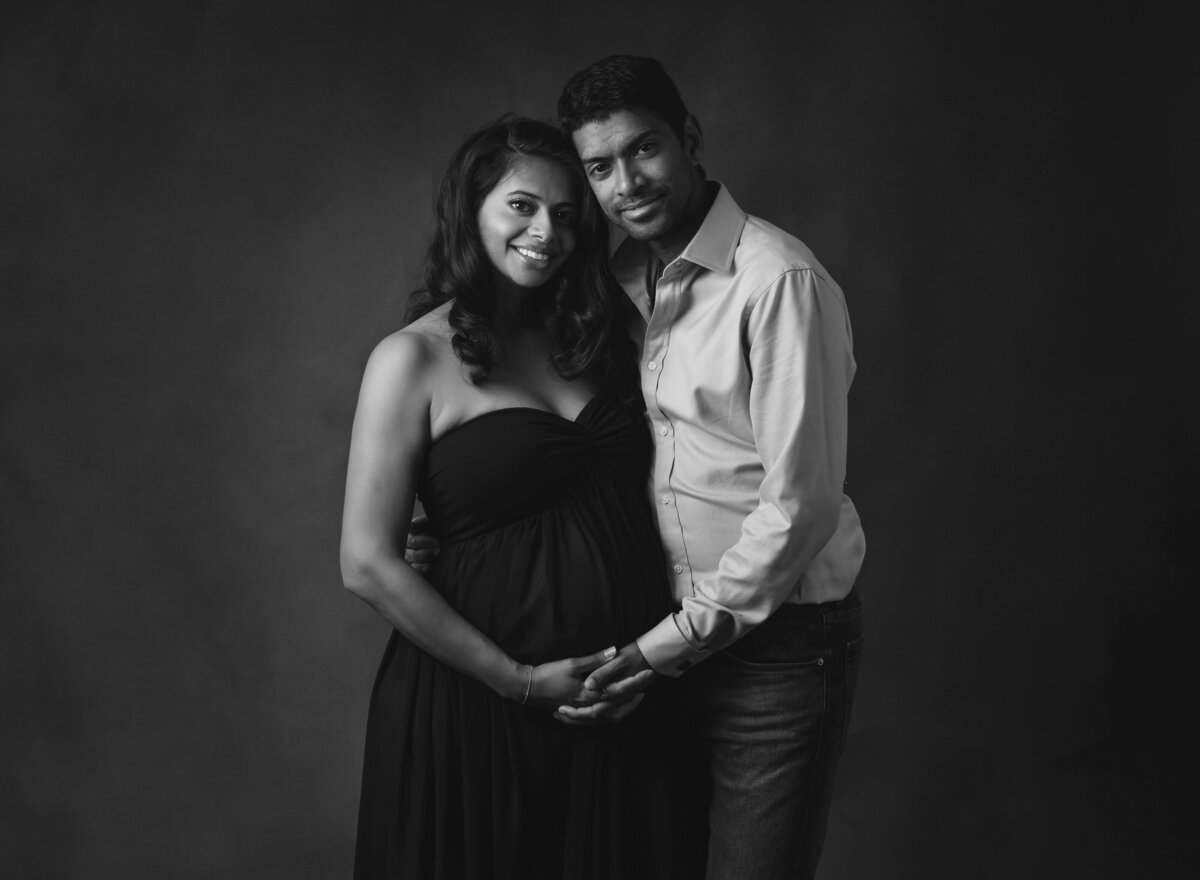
<point x="628" y="179"/>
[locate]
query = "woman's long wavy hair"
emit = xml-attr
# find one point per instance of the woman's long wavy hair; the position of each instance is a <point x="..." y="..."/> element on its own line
<point x="583" y="310"/>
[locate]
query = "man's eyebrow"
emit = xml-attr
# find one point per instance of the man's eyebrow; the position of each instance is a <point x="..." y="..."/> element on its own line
<point x="636" y="139"/>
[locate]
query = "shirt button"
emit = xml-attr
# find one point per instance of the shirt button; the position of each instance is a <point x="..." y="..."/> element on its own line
<point x="651" y="366"/>
<point x="678" y="568"/>
<point x="666" y="499"/>
<point x="664" y="430"/>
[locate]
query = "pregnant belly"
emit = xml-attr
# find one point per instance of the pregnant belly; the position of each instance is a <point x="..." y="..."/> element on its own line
<point x="549" y="587"/>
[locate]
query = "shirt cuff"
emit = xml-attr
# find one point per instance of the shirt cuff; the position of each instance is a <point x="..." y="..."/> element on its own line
<point x="667" y="651"/>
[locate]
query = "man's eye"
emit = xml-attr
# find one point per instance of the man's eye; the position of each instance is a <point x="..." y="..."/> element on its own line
<point x="647" y="147"/>
<point x="598" y="171"/>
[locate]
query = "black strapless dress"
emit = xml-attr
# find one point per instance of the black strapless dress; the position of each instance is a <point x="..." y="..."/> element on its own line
<point x="549" y="546"/>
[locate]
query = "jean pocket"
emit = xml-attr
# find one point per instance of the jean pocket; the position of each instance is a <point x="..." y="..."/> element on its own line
<point x="770" y="657"/>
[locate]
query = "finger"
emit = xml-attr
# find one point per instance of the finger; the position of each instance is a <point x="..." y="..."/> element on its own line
<point x="628" y="662"/>
<point x="595" y="661"/>
<point x="605" y="712"/>
<point x="421" y="542"/>
<point x="587" y="698"/>
<point x="419" y="524"/>
<point x="621" y="711"/>
<point x="598" y="679"/>
<point x="420" y="567"/>
<point x="573" y="722"/>
<point x="412" y="555"/>
<point x="634" y="684"/>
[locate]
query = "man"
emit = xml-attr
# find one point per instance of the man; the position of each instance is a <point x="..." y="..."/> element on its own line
<point x="746" y="361"/>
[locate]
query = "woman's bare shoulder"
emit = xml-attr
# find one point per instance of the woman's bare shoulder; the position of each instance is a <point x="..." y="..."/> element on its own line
<point x="423" y="346"/>
<point x="434" y="325"/>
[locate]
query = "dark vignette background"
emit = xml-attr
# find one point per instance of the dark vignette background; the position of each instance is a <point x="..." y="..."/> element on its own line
<point x="210" y="211"/>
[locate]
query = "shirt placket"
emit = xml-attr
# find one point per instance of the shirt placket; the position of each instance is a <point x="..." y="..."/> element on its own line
<point x="655" y="363"/>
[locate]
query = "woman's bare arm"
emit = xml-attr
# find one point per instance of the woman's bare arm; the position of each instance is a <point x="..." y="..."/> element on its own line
<point x="388" y="446"/>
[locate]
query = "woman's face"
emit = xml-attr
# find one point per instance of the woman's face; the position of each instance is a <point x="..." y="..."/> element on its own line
<point x="528" y="222"/>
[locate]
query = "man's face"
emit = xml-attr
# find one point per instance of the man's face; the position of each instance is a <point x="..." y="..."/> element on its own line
<point x="645" y="180"/>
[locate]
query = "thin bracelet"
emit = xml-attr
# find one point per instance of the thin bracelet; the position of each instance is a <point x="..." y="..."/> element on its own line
<point x="528" y="687"/>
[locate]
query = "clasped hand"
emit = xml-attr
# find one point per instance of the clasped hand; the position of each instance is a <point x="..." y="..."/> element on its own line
<point x="602" y="687"/>
<point x="613" y="689"/>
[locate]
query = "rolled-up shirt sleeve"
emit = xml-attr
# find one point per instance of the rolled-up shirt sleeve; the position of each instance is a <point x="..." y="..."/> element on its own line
<point x="797" y="349"/>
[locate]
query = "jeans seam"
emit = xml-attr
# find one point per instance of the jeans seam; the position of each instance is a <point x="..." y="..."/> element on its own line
<point x="806" y="833"/>
<point x="847" y="692"/>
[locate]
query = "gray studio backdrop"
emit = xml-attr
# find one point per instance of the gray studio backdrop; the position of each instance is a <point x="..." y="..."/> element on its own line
<point x="211" y="211"/>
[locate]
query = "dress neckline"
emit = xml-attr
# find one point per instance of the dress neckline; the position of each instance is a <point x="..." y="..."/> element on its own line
<point x="517" y="409"/>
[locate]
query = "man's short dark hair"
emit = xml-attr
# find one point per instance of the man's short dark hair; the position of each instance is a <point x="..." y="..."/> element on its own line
<point x="620" y="82"/>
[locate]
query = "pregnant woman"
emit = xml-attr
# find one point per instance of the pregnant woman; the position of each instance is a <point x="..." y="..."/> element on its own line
<point x="510" y="407"/>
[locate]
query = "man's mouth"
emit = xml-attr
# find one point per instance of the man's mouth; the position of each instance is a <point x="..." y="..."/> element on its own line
<point x="637" y="209"/>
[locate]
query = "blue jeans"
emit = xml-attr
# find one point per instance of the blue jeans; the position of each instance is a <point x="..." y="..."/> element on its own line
<point x="772" y="712"/>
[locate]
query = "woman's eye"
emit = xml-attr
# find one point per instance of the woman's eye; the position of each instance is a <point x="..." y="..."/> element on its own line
<point x="520" y="205"/>
<point x="570" y="218"/>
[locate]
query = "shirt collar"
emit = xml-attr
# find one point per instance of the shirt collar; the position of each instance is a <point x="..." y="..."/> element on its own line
<point x="717" y="238"/>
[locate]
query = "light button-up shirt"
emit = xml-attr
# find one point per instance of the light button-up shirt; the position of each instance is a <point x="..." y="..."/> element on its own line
<point x="747" y="362"/>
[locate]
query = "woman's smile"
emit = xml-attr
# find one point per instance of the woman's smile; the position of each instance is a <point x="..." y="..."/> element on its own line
<point x="538" y="259"/>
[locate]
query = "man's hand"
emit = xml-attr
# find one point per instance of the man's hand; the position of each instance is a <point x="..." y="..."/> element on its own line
<point x="420" y="548"/>
<point x="623" y="676"/>
<point x="608" y="712"/>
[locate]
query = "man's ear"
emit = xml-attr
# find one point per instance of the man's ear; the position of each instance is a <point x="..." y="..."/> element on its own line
<point x="693" y="139"/>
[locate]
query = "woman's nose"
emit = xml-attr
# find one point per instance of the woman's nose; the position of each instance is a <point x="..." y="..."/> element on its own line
<point x="542" y="227"/>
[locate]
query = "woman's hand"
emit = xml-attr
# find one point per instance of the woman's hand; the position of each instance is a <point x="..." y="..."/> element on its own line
<point x="562" y="682"/>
